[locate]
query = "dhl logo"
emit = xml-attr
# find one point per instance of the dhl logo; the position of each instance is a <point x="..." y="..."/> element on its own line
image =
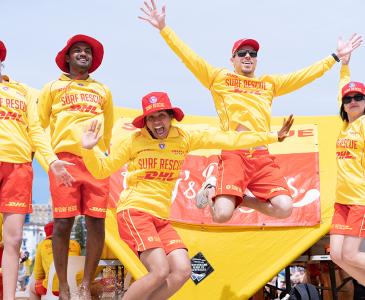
<point x="84" y="108"/>
<point x="164" y="176"/>
<point x="16" y="204"/>
<point x="344" y="155"/>
<point x="10" y="116"/>
<point x="98" y="209"/>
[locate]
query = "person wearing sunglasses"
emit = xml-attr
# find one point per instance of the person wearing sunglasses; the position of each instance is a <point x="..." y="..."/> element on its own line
<point x="348" y="228"/>
<point x="243" y="102"/>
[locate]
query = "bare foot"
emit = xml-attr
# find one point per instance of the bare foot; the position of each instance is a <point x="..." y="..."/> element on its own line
<point x="64" y="294"/>
<point x="84" y="292"/>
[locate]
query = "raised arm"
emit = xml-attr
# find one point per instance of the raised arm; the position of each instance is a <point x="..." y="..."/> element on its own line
<point x="108" y="118"/>
<point x="290" y="82"/>
<point x="345" y="75"/>
<point x="96" y="162"/>
<point x="235" y="140"/>
<point x="203" y="71"/>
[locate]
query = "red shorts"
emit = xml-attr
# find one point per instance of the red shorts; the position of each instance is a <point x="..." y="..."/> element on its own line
<point x="142" y="231"/>
<point x="348" y="220"/>
<point x="87" y="196"/>
<point x="41" y="290"/>
<point x="256" y="171"/>
<point x="16" y="188"/>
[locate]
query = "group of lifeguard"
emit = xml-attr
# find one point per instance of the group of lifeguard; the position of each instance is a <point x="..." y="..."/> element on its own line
<point x="79" y="113"/>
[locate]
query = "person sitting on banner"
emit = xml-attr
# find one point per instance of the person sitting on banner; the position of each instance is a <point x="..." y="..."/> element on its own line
<point x="20" y="132"/>
<point x="42" y="263"/>
<point x="243" y="102"/>
<point x="347" y="230"/>
<point x="155" y="155"/>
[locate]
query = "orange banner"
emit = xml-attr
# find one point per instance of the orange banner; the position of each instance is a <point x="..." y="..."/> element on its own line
<point x="298" y="158"/>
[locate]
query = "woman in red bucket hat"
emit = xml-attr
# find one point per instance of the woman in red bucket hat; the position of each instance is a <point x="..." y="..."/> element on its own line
<point x="155" y="155"/>
<point x="348" y="227"/>
<point x="66" y="105"/>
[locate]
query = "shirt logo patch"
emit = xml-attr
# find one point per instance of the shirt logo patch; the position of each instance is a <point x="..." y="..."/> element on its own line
<point x="80" y="84"/>
<point x="351" y="85"/>
<point x="5" y="88"/>
<point x="162" y="146"/>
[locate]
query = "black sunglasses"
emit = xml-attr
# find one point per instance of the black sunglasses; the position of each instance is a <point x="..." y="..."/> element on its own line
<point x="243" y="53"/>
<point x="357" y="98"/>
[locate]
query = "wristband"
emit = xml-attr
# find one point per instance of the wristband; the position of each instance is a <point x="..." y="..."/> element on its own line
<point x="335" y="57"/>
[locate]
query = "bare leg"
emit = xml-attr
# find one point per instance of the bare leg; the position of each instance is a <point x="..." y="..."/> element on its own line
<point x="94" y="247"/>
<point x="280" y="206"/>
<point x="223" y="208"/>
<point x="180" y="272"/>
<point x="338" y="245"/>
<point x="13" y="234"/>
<point x="60" y="244"/>
<point x="156" y="262"/>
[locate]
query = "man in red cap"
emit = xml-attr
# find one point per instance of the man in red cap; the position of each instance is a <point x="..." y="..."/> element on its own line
<point x="155" y="155"/>
<point x="20" y="131"/>
<point x="243" y="102"/>
<point x="42" y="264"/>
<point x="66" y="105"/>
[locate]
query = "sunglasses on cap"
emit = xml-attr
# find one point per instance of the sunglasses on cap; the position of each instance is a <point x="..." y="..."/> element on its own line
<point x="243" y="53"/>
<point x="357" y="98"/>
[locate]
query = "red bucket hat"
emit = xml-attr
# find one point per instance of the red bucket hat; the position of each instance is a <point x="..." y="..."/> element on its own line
<point x="2" y="51"/>
<point x="153" y="102"/>
<point x="245" y="42"/>
<point x="96" y="47"/>
<point x="353" y="86"/>
<point x="48" y="229"/>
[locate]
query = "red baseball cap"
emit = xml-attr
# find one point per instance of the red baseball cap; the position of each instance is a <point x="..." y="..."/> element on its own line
<point x="48" y="229"/>
<point x="353" y="86"/>
<point x="153" y="102"/>
<point x="2" y="51"/>
<point x="245" y="42"/>
<point x="96" y="47"/>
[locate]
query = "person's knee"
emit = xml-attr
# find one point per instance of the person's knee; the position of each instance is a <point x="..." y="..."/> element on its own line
<point x="336" y="256"/>
<point x="223" y="208"/>
<point x="61" y="226"/>
<point x="350" y="258"/>
<point x="283" y="206"/>
<point x="13" y="239"/>
<point x="160" y="273"/>
<point x="184" y="273"/>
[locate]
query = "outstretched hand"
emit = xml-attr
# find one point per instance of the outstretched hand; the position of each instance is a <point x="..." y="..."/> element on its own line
<point x="58" y="168"/>
<point x="91" y="136"/>
<point x="153" y="16"/>
<point x="345" y="48"/>
<point x="283" y="133"/>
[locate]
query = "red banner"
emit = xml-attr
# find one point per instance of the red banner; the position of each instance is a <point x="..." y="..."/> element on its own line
<point x="302" y="177"/>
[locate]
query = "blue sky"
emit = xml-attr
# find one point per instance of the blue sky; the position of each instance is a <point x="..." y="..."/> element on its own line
<point x="292" y="34"/>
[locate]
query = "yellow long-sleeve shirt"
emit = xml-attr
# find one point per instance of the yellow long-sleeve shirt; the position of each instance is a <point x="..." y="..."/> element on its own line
<point x="20" y="128"/>
<point x="44" y="259"/>
<point x="154" y="165"/>
<point x="350" y="152"/>
<point x="68" y="106"/>
<point x="239" y="99"/>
